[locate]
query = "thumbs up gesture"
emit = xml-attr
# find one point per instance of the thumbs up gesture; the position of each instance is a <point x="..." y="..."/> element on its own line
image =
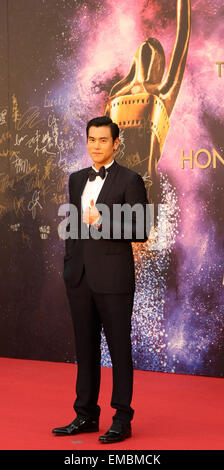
<point x="91" y="214"/>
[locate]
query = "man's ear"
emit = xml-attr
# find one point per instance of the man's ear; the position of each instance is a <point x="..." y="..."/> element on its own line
<point x="116" y="143"/>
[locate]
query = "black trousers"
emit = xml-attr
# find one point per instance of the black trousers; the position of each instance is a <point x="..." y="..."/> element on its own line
<point x="90" y="311"/>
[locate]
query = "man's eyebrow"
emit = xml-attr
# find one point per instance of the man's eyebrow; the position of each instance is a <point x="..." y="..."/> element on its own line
<point x="91" y="137"/>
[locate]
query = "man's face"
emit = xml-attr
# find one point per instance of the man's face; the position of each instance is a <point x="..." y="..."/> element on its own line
<point x="101" y="146"/>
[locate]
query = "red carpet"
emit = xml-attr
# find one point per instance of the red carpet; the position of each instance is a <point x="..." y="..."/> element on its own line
<point x="171" y="411"/>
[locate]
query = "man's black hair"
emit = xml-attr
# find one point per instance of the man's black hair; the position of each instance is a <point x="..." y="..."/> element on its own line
<point x="103" y="121"/>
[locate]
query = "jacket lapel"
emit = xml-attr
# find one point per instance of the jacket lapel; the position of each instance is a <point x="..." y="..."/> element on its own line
<point x="108" y="184"/>
<point x="81" y="185"/>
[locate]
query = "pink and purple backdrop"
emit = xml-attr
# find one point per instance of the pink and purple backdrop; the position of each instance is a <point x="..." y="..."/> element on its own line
<point x="60" y="60"/>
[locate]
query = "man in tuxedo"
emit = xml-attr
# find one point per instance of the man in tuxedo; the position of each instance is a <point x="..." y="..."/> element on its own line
<point x="99" y="277"/>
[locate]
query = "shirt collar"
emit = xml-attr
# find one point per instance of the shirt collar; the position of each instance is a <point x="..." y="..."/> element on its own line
<point x="106" y="166"/>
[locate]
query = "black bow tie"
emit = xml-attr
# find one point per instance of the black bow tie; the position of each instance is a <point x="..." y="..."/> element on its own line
<point x="101" y="173"/>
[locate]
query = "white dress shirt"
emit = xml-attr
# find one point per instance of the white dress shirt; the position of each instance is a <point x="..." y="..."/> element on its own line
<point x="93" y="188"/>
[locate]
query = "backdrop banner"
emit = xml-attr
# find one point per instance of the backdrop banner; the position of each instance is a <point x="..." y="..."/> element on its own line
<point x="156" y="67"/>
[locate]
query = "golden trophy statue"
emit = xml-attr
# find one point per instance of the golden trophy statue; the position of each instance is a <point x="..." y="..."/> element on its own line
<point x="142" y="102"/>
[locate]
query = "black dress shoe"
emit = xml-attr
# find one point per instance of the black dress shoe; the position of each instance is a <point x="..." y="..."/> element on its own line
<point x="80" y="424"/>
<point x="117" y="432"/>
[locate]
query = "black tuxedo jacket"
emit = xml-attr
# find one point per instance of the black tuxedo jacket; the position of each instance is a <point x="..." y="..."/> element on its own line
<point x="109" y="263"/>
